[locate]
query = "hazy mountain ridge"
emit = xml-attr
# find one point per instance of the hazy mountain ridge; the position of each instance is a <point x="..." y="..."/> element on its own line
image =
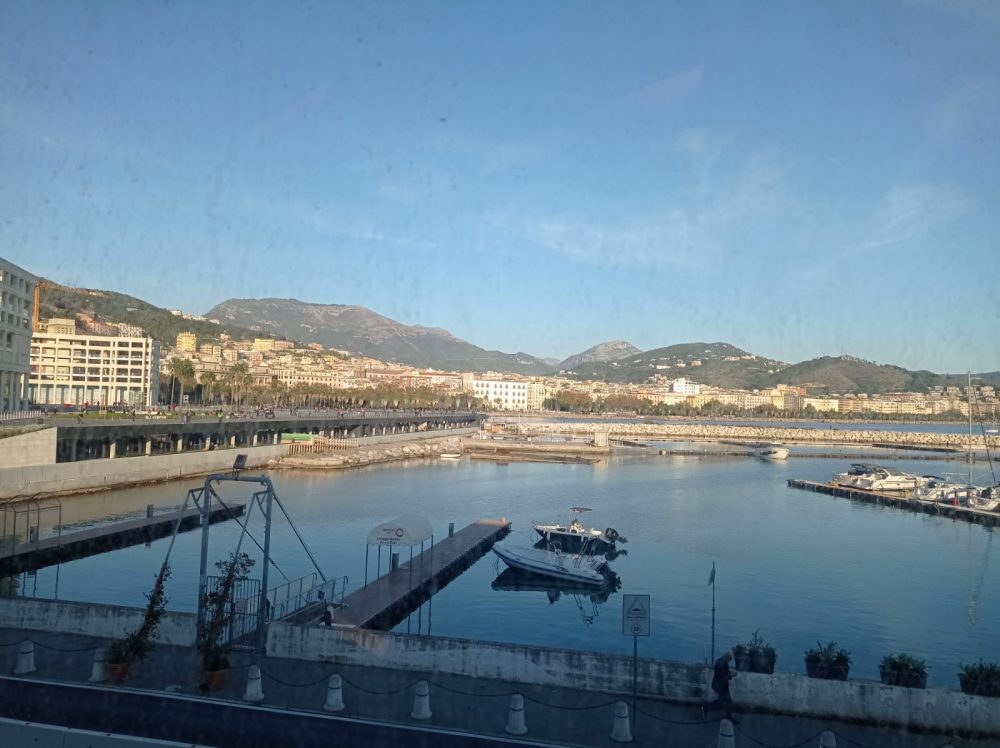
<point x="613" y="350"/>
<point x="360" y="330"/>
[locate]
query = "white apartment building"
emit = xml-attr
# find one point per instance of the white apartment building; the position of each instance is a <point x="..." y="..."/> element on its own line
<point x="684" y="386"/>
<point x="17" y="295"/>
<point x="93" y="369"/>
<point x="504" y="394"/>
<point x="338" y="380"/>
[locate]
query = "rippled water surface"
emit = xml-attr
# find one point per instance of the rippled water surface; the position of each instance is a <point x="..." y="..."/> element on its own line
<point x="798" y="566"/>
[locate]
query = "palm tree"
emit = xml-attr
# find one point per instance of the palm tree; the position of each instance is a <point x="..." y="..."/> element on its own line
<point x="182" y="370"/>
<point x="209" y="380"/>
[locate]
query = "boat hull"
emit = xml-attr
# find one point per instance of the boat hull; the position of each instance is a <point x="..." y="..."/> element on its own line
<point x="579" y="569"/>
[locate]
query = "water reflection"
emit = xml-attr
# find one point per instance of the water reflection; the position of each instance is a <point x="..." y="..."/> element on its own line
<point x="586" y="597"/>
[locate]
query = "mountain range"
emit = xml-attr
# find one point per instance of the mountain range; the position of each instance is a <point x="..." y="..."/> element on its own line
<point x="363" y="332"/>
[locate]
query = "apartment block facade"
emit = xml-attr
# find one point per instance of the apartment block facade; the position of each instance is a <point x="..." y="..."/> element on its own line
<point x="17" y="295"/>
<point x="94" y="370"/>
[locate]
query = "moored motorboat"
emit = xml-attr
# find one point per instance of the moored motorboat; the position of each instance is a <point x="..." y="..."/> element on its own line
<point x="552" y="562"/>
<point x="574" y="535"/>
<point x="849" y="478"/>
<point x="450" y="456"/>
<point x="887" y="479"/>
<point x="771" y="451"/>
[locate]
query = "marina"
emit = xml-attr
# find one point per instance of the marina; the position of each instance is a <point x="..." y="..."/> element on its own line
<point x="681" y="513"/>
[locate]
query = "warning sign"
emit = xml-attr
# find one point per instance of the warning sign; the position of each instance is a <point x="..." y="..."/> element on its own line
<point x="635" y="615"/>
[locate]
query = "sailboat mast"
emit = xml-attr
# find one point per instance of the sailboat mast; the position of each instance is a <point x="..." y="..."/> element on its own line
<point x="970" y="427"/>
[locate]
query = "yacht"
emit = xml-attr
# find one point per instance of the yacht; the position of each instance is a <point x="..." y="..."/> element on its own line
<point x="887" y="479"/>
<point x="849" y="479"/>
<point x="942" y="490"/>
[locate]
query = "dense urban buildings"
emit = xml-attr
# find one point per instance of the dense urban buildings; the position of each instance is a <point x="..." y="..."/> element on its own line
<point x="17" y="291"/>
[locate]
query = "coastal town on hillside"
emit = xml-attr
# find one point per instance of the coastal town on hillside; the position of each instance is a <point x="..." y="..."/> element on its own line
<point x="95" y="362"/>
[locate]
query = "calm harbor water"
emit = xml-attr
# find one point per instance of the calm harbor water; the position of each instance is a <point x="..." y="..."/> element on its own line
<point x="796" y="565"/>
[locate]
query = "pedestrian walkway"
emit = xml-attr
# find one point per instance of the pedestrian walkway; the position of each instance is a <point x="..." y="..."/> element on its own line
<point x="562" y="716"/>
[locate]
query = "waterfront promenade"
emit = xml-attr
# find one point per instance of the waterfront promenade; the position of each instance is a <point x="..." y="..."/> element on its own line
<point x="168" y="704"/>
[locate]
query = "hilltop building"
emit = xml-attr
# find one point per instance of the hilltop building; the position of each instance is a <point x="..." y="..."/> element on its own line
<point x="187" y="341"/>
<point x="17" y="291"/>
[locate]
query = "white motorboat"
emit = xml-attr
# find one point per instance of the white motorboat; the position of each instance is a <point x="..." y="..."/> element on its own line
<point x="771" y="451"/>
<point x="574" y="535"/>
<point x="942" y="490"/>
<point x="450" y="456"/>
<point x="887" y="479"/>
<point x="849" y="479"/>
<point x="552" y="562"/>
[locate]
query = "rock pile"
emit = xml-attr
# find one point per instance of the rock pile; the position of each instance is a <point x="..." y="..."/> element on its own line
<point x="374" y="455"/>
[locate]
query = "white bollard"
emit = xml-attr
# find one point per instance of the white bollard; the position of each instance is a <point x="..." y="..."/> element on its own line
<point x="255" y="691"/>
<point x="515" y="716"/>
<point x="621" y="730"/>
<point x="727" y="735"/>
<point x="827" y="740"/>
<point x="98" y="674"/>
<point x="334" y="695"/>
<point x="25" y="658"/>
<point x="422" y="701"/>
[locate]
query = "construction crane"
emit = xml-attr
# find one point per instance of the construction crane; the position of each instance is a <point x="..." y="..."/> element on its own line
<point x="36" y="326"/>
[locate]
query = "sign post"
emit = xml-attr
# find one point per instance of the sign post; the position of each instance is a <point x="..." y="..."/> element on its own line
<point x="635" y="623"/>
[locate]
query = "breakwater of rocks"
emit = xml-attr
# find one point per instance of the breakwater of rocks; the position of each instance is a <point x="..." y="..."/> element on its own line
<point x="358" y="457"/>
<point x="705" y="432"/>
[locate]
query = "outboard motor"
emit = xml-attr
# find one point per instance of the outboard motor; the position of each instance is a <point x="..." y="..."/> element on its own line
<point x="612" y="535"/>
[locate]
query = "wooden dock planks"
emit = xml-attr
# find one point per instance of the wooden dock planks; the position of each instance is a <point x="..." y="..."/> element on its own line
<point x="70" y="546"/>
<point x="390" y="598"/>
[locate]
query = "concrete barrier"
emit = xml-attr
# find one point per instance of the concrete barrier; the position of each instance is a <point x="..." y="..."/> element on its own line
<point x="91" y="475"/>
<point x="85" y="619"/>
<point x="589" y="671"/>
<point x="33" y="448"/>
<point x="862" y="701"/>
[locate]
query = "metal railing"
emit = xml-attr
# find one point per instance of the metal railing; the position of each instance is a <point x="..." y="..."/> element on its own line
<point x="296" y="594"/>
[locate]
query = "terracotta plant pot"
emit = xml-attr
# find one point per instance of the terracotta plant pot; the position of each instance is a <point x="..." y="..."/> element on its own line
<point x="214" y="680"/>
<point x="117" y="672"/>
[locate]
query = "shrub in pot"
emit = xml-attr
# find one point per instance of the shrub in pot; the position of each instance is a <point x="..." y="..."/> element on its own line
<point x="135" y="645"/>
<point x="827" y="661"/>
<point x="219" y="616"/>
<point x="981" y="679"/>
<point x="903" y="670"/>
<point x="755" y="655"/>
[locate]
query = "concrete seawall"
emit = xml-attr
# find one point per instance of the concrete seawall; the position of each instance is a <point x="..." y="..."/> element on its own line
<point x="934" y="709"/>
<point x="86" y="619"/>
<point x="96" y="475"/>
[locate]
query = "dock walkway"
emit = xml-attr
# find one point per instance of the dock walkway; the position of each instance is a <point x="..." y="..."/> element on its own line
<point x="390" y="598"/>
<point x="977" y="516"/>
<point x="70" y="546"/>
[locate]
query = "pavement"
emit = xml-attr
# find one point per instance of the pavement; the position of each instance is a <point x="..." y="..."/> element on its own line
<point x="561" y="716"/>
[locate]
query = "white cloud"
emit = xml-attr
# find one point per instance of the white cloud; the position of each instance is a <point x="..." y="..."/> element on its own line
<point x="910" y="211"/>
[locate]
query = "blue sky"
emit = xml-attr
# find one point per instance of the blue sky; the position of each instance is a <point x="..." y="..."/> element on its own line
<point x="798" y="179"/>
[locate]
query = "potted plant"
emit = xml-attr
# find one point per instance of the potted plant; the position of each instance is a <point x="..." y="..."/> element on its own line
<point x="219" y="616"/>
<point x="827" y="661"/>
<point x="755" y="656"/>
<point x="903" y="670"/>
<point x="135" y="645"/>
<point x="982" y="679"/>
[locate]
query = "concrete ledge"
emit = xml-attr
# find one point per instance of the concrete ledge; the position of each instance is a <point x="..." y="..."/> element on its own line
<point x="937" y="710"/>
<point x="94" y="475"/>
<point x="589" y="671"/>
<point x="86" y="619"/>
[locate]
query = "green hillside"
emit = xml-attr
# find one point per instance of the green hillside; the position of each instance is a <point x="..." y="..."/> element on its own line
<point x="716" y="364"/>
<point x="109" y="306"/>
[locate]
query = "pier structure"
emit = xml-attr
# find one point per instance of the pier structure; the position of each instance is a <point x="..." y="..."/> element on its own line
<point x="91" y="439"/>
<point x="977" y="516"/>
<point x="39" y="553"/>
<point x="386" y="601"/>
